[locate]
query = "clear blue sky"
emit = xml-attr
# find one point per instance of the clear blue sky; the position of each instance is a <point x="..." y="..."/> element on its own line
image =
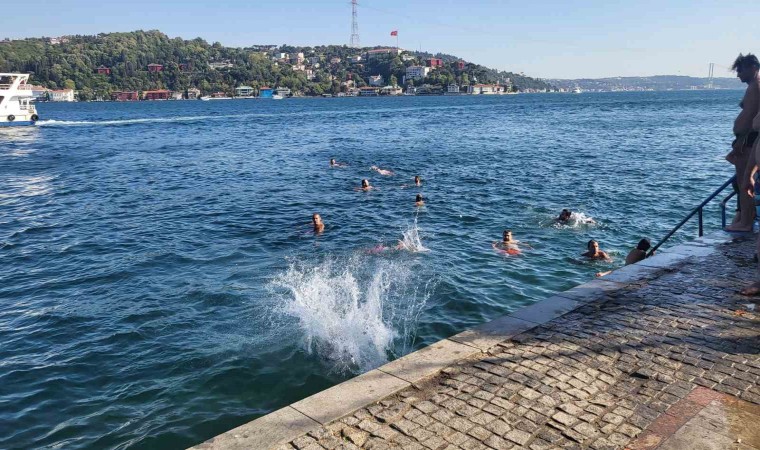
<point x="543" y="38"/>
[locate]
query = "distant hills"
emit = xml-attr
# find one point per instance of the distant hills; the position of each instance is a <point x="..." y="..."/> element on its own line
<point x="653" y="83"/>
<point x="100" y="65"/>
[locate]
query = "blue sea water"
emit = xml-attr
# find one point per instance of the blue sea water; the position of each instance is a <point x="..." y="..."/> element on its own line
<point x="160" y="283"/>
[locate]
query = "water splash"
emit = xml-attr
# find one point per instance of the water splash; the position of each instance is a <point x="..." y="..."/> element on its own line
<point x="355" y="313"/>
<point x="411" y="240"/>
<point x="73" y="123"/>
<point x="577" y="220"/>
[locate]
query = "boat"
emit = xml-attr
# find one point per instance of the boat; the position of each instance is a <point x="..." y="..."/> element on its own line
<point x="16" y="108"/>
<point x="277" y="97"/>
<point x="577" y="90"/>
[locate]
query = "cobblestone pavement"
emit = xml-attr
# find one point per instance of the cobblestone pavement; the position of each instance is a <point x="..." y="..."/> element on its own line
<point x="594" y="378"/>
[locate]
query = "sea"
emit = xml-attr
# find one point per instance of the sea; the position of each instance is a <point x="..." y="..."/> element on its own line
<point x="160" y="281"/>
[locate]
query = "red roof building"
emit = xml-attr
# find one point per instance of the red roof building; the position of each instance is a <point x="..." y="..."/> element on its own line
<point x="104" y="70"/>
<point x="160" y="94"/>
<point x="155" y="68"/>
<point x="125" y="96"/>
<point x="434" y="62"/>
<point x="460" y="65"/>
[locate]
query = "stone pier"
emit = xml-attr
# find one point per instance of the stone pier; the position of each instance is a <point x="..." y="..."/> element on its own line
<point x="662" y="354"/>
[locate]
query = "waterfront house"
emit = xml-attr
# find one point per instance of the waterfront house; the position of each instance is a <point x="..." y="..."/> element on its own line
<point x="485" y="89"/>
<point x="244" y="91"/>
<point x="177" y="96"/>
<point x="61" y="95"/>
<point x="158" y="94"/>
<point x="352" y="92"/>
<point x="283" y="91"/>
<point x="125" y="96"/>
<point x="193" y="93"/>
<point x="266" y="92"/>
<point x="375" y="80"/>
<point x="103" y="70"/>
<point x="38" y="92"/>
<point x="416" y="72"/>
<point x="219" y="94"/>
<point x="452" y="89"/>
<point x="369" y="91"/>
<point x="391" y="90"/>
<point x="154" y="68"/>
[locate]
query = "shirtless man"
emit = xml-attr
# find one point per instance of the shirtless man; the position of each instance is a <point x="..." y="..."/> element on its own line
<point x="741" y="155"/>
<point x="564" y="216"/>
<point x="316" y="221"/>
<point x="419" y="201"/>
<point x="417" y="181"/>
<point x="508" y="244"/>
<point x="365" y="186"/>
<point x="594" y="252"/>
<point x="334" y="163"/>
<point x="748" y="186"/>
<point x="382" y="171"/>
<point x="639" y="253"/>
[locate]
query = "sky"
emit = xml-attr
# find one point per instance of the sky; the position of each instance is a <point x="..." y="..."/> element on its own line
<point x="542" y="38"/>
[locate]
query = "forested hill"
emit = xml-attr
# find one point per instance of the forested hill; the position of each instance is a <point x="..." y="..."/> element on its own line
<point x="73" y="62"/>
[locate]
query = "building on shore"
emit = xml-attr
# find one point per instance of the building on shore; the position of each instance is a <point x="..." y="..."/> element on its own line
<point x="177" y="96"/>
<point x="375" y="80"/>
<point x="62" y="95"/>
<point x="125" y="96"/>
<point x="485" y="89"/>
<point x="103" y="70"/>
<point x="434" y="62"/>
<point x="391" y="90"/>
<point x="453" y="89"/>
<point x="416" y="72"/>
<point x="244" y="91"/>
<point x="369" y="91"/>
<point x="155" y="68"/>
<point x="284" y="92"/>
<point x="193" y="94"/>
<point x="266" y="92"/>
<point x="158" y="94"/>
<point x="219" y="94"/>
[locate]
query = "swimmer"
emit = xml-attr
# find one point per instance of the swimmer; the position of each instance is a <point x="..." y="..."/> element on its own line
<point x="382" y="171"/>
<point x="316" y="221"/>
<point x="637" y="254"/>
<point x="508" y="244"/>
<point x="417" y="180"/>
<point x="365" y="186"/>
<point x="334" y="163"/>
<point x="594" y="252"/>
<point x="564" y="216"/>
<point x="419" y="201"/>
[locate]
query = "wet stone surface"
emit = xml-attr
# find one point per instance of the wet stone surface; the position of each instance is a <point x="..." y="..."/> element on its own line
<point x="594" y="378"/>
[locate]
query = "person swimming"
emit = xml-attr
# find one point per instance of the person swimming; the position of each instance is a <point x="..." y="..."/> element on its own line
<point x="417" y="180"/>
<point x="316" y="221"/>
<point x="564" y="216"/>
<point x="508" y="244"/>
<point x="365" y="186"/>
<point x="594" y="252"/>
<point x="382" y="171"/>
<point x="334" y="163"/>
<point x="419" y="201"/>
<point x="639" y="253"/>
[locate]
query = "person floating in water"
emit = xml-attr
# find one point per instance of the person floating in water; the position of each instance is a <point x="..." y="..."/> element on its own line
<point x="637" y="254"/>
<point x="365" y="186"/>
<point x="419" y="201"/>
<point x="417" y="182"/>
<point x="382" y="171"/>
<point x="564" y="216"/>
<point x="334" y="163"/>
<point x="594" y="252"/>
<point x="508" y="244"/>
<point x="316" y="221"/>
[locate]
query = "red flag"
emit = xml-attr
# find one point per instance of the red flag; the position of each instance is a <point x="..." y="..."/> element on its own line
<point x="394" y="33"/>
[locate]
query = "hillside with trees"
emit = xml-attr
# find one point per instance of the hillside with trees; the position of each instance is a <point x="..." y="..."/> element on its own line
<point x="72" y="62"/>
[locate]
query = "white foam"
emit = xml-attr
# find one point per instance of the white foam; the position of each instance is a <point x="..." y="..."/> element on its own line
<point x="411" y="240"/>
<point x="354" y="313"/>
<point x="74" y="123"/>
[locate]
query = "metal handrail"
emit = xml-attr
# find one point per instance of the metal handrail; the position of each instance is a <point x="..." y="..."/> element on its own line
<point x="698" y="211"/>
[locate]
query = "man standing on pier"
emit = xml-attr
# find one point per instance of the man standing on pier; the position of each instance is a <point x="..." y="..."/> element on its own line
<point x="742" y="156"/>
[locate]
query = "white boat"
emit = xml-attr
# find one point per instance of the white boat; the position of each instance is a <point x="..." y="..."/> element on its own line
<point x="16" y="108"/>
<point x="277" y="97"/>
<point x="577" y="90"/>
<point x="205" y="99"/>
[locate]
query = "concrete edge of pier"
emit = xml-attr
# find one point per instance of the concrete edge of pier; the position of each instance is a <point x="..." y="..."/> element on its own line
<point x="297" y="419"/>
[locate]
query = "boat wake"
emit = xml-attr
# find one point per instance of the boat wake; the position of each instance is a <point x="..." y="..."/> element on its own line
<point x="355" y="312"/>
<point x="75" y="123"/>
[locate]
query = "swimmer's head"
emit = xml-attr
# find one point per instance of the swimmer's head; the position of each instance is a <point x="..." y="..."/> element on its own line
<point x="592" y="246"/>
<point x="644" y="245"/>
<point x="419" y="198"/>
<point x="332" y="161"/>
<point x="365" y="183"/>
<point x="507" y="235"/>
<point x="417" y="180"/>
<point x="565" y="215"/>
<point x="316" y="219"/>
